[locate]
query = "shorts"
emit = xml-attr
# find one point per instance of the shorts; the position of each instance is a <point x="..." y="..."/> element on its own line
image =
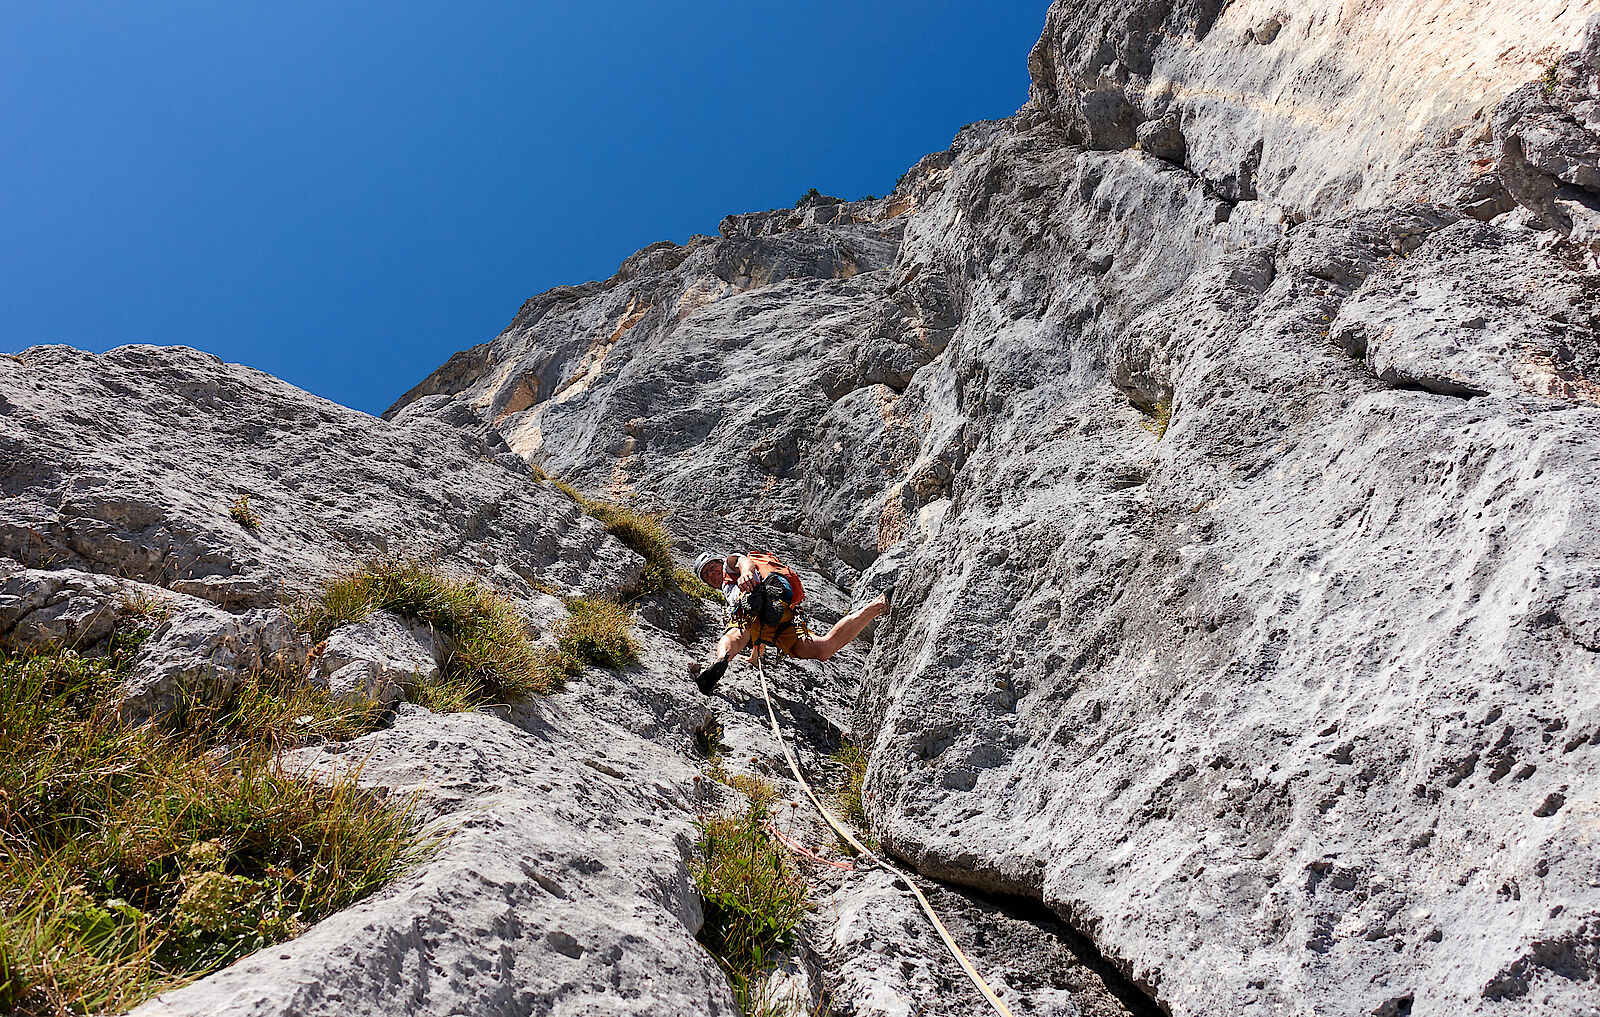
<point x="783" y="635"/>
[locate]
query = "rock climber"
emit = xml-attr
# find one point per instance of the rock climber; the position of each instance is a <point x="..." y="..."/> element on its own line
<point x="763" y="597"/>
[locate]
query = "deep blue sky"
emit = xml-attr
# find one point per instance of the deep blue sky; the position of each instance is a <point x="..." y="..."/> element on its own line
<point x="344" y="194"/>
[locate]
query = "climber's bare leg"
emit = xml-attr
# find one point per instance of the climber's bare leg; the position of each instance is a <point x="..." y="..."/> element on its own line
<point x="732" y="642"/>
<point x="848" y="627"/>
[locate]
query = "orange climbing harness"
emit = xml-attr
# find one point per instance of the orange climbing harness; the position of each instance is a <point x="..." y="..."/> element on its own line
<point x="875" y="862"/>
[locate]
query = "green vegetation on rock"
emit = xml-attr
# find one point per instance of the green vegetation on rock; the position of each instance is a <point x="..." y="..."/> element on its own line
<point x="597" y="631"/>
<point x="642" y="531"/>
<point x="853" y="760"/>
<point x="132" y="861"/>
<point x="1158" y="415"/>
<point x="243" y="514"/>
<point x="754" y="897"/>
<point x="490" y="656"/>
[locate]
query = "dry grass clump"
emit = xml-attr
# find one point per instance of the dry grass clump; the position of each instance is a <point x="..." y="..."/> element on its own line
<point x="490" y="656"/>
<point x="132" y="861"/>
<point x="597" y="631"/>
<point x="754" y="897"/>
<point x="273" y="712"/>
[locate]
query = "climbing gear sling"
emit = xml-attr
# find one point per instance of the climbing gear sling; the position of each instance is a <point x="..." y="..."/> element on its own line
<point x="768" y="565"/>
<point x="850" y="838"/>
<point x="771" y="612"/>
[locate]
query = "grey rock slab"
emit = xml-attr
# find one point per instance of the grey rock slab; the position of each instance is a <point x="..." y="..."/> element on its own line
<point x="1322" y="106"/>
<point x="887" y="960"/>
<point x="678" y="353"/>
<point x="141" y="485"/>
<point x="559" y="883"/>
<point x="381" y="659"/>
<point x="1548" y="142"/>
<point x="1478" y="310"/>
<point x="192" y="647"/>
<point x="200" y="650"/>
<point x="1224" y="624"/>
<point x="66" y="608"/>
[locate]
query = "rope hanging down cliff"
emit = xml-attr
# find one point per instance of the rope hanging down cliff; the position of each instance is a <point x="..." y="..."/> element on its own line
<point x="850" y="838"/>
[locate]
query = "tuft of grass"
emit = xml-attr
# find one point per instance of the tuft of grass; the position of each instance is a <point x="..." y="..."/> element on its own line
<point x="1157" y="416"/>
<point x="754" y="897"/>
<point x="646" y="534"/>
<point x="449" y="693"/>
<point x="1551" y="78"/>
<point x="690" y="583"/>
<point x="488" y="645"/>
<point x="761" y="792"/>
<point x="133" y="861"/>
<point x="853" y="760"/>
<point x="147" y="607"/>
<point x="273" y="712"/>
<point x="243" y="514"/>
<point x="597" y="631"/>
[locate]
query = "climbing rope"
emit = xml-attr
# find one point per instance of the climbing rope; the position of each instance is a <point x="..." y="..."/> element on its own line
<point x="805" y="852"/>
<point x="850" y="838"/>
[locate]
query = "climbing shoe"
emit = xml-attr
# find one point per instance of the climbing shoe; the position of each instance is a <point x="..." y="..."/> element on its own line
<point x="707" y="678"/>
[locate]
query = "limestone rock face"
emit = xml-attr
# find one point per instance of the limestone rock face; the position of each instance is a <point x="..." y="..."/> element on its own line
<point x="380" y="659"/>
<point x="65" y="607"/>
<point x="561" y="888"/>
<point x="127" y="462"/>
<point x="748" y="338"/>
<point x="200" y="649"/>
<point x="1548" y="135"/>
<point x="192" y="647"/>
<point x="1226" y="421"/>
<point x="1311" y="106"/>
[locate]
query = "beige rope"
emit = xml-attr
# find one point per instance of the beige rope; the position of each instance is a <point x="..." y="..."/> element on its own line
<point x="850" y="838"/>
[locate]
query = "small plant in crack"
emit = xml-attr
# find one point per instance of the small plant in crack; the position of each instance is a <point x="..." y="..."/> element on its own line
<point x="1158" y="415"/>
<point x="852" y="759"/>
<point x="243" y="514"/>
<point x="754" y="896"/>
<point x="707" y="738"/>
<point x="1551" y="78"/>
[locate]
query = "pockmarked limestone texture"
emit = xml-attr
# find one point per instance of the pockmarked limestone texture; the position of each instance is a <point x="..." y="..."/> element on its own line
<point x="1225" y="423"/>
<point x="127" y="463"/>
<point x="1227" y="420"/>
<point x="558" y="883"/>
